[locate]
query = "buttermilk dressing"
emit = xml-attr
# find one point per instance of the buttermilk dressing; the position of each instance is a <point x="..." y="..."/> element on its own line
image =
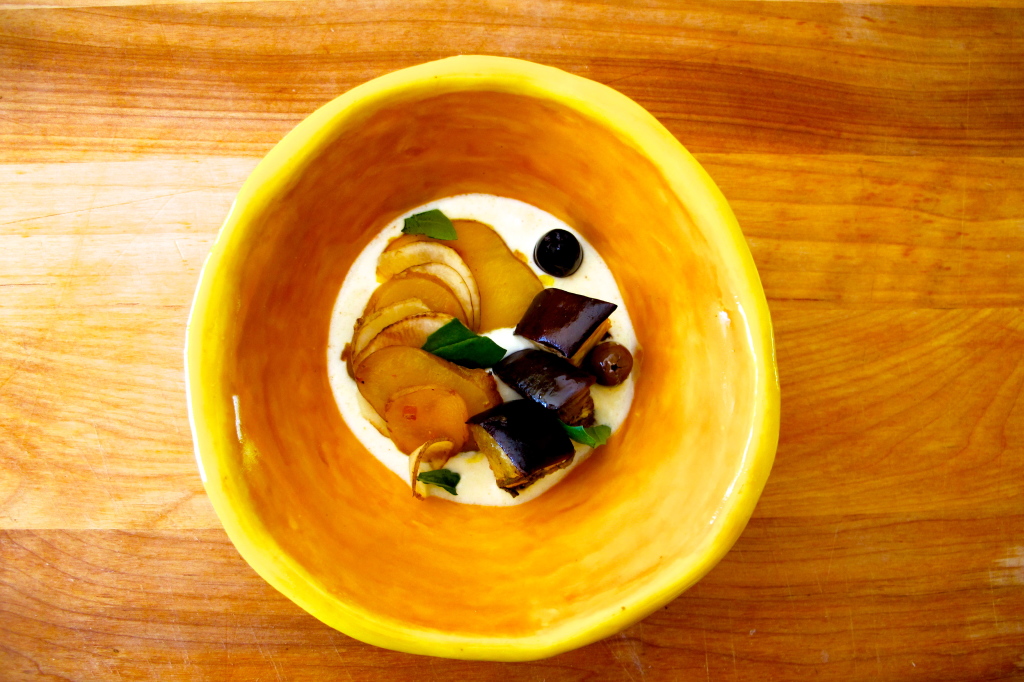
<point x="521" y="226"/>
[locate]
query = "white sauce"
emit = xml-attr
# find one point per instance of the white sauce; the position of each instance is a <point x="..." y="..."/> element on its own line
<point x="521" y="226"/>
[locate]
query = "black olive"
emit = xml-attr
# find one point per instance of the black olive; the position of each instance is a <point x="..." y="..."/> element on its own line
<point x="558" y="253"/>
<point x="610" y="362"/>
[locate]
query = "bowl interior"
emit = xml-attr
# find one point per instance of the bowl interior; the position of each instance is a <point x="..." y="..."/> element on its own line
<point x="620" y="533"/>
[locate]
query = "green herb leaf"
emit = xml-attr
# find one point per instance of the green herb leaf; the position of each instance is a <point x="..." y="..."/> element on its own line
<point x="451" y="333"/>
<point x="472" y="353"/>
<point x="432" y="223"/>
<point x="442" y="478"/>
<point x="588" y="435"/>
<point x="455" y="343"/>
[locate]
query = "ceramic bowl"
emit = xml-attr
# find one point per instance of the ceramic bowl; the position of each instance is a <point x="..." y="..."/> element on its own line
<point x="322" y="521"/>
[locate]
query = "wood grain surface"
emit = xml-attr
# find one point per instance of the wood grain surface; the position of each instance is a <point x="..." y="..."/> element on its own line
<point x="873" y="153"/>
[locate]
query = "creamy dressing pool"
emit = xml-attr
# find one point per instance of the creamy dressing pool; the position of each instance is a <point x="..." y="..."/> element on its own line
<point x="521" y="226"/>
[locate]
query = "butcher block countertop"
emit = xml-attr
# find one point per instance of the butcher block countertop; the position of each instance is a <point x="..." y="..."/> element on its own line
<point x="873" y="153"/>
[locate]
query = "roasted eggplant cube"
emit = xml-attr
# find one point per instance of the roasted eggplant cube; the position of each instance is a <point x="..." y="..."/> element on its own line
<point x="579" y="411"/>
<point x="567" y="323"/>
<point x="552" y="382"/>
<point x="523" y="442"/>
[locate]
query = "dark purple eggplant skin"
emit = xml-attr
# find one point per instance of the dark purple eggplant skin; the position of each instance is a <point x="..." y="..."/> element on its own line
<point x="528" y="434"/>
<point x="545" y="378"/>
<point x="579" y="412"/>
<point x="552" y="382"/>
<point x="563" y="321"/>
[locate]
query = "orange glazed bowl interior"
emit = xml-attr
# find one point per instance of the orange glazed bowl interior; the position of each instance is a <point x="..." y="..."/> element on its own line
<point x="325" y="523"/>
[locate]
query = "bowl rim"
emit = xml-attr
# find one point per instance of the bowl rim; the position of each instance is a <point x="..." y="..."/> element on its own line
<point x="708" y="209"/>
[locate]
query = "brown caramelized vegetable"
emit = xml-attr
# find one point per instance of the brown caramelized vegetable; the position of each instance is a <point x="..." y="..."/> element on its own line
<point x="610" y="363"/>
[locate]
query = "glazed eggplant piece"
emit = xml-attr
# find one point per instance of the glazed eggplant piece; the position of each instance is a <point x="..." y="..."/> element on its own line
<point x="567" y="323"/>
<point x="522" y="441"/>
<point x="552" y="382"/>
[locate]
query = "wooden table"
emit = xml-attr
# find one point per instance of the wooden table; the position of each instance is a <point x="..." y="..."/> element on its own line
<point x="874" y="154"/>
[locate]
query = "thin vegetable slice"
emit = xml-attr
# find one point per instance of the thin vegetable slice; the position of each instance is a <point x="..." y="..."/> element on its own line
<point x="430" y="456"/>
<point x="417" y="414"/>
<point x="394" y="261"/>
<point x="391" y="369"/>
<point x="434" y="293"/>
<point x="410" y="331"/>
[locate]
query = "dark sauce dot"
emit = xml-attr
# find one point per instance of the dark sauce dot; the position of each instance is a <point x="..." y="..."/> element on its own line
<point x="558" y="253"/>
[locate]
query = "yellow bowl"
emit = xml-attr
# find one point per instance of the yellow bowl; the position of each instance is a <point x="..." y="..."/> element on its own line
<point x="322" y="521"/>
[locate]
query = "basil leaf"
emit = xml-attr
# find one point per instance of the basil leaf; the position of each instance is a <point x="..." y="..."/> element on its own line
<point x="442" y="478"/>
<point x="455" y="343"/>
<point x="472" y="353"/>
<point x="451" y="333"/>
<point x="588" y="435"/>
<point x="432" y="223"/>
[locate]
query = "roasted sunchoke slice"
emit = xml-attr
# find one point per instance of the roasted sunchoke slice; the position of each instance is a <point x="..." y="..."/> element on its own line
<point x="434" y="293"/>
<point x="374" y="323"/>
<point x="523" y="442"/>
<point x="432" y="455"/>
<point x="393" y="261"/>
<point x="507" y="285"/>
<point x="567" y="323"/>
<point x="552" y="382"/>
<point x="409" y="331"/>
<point x="394" y="368"/>
<point x="417" y="414"/>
